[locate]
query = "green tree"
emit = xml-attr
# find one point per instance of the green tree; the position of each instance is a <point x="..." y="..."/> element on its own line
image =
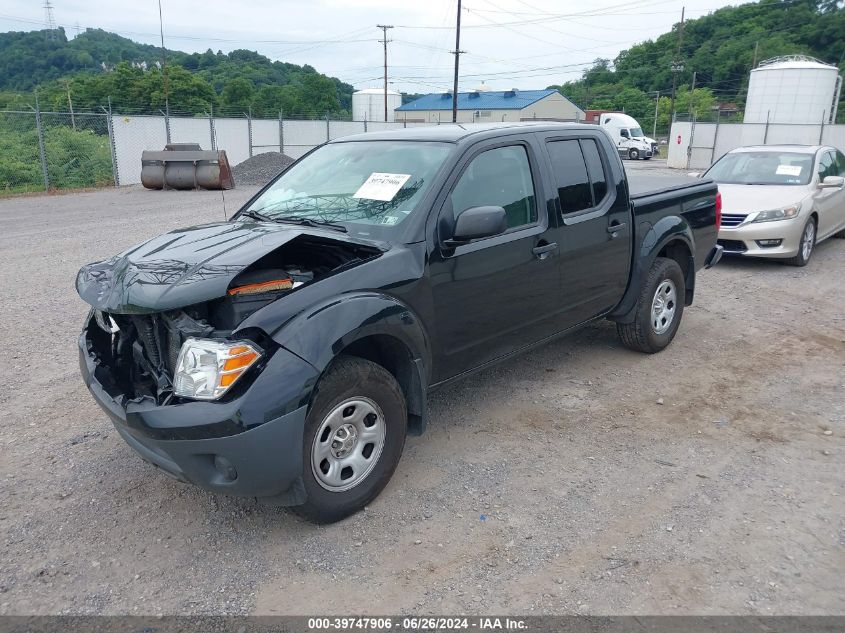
<point x="237" y="95"/>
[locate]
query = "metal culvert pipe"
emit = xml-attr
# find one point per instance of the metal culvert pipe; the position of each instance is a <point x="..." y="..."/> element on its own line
<point x="186" y="166"/>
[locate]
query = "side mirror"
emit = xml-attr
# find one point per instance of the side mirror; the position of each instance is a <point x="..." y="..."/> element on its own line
<point x="476" y="223"/>
<point x="832" y="182"/>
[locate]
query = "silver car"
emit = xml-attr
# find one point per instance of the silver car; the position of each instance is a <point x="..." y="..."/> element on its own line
<point x="779" y="201"/>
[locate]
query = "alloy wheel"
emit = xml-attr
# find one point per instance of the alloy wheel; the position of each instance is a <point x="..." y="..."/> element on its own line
<point x="808" y="240"/>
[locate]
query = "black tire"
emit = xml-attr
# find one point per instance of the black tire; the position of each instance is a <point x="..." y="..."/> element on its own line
<point x="633" y="154"/>
<point x="640" y="335"/>
<point x="803" y="258"/>
<point x="351" y="377"/>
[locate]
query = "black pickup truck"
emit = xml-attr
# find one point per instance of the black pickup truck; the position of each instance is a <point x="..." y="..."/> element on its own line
<point x="287" y="352"/>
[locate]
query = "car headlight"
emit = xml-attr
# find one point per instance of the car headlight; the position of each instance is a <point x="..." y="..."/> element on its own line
<point x="206" y="369"/>
<point x="778" y="214"/>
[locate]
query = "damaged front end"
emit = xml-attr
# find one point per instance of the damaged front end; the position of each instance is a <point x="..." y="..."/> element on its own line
<point x="165" y="354"/>
<point x="198" y="284"/>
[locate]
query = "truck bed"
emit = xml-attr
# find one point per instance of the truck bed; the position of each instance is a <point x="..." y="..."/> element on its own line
<point x="641" y="185"/>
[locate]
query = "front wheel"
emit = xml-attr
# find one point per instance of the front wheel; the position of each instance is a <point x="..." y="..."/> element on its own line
<point x="354" y="435"/>
<point x="633" y="154"/>
<point x="806" y="246"/>
<point x="659" y="309"/>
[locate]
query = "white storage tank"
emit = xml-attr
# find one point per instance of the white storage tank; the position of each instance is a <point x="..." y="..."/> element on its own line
<point x="368" y="105"/>
<point x="793" y="89"/>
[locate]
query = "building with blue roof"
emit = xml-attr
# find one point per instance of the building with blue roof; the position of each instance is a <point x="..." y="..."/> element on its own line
<point x="486" y="106"/>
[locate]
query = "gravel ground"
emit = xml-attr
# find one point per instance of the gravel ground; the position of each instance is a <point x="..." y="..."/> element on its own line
<point x="260" y="169"/>
<point x="580" y="478"/>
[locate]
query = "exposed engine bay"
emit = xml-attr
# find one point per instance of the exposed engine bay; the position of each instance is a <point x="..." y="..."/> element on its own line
<point x="137" y="350"/>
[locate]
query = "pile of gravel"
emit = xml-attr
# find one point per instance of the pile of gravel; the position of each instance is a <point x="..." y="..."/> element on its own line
<point x="261" y="168"/>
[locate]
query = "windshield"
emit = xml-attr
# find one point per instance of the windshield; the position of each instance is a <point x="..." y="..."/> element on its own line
<point x="365" y="186"/>
<point x="637" y="131"/>
<point x="762" y="168"/>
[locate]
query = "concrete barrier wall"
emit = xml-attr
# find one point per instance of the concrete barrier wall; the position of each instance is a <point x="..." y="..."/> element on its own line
<point x="134" y="134"/>
<point x="702" y="144"/>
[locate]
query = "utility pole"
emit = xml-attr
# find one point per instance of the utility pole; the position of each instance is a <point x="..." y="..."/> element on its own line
<point x="457" y="53"/>
<point x="756" y="47"/>
<point x="164" y="75"/>
<point x="676" y="67"/>
<point x="70" y="105"/>
<point x="692" y="95"/>
<point x="656" y="106"/>
<point x="384" y="40"/>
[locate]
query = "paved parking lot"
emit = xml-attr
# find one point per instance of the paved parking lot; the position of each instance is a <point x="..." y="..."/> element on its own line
<point x="580" y="478"/>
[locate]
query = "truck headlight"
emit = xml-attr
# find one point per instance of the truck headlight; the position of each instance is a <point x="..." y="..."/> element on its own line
<point x="206" y="369"/>
<point x="786" y="213"/>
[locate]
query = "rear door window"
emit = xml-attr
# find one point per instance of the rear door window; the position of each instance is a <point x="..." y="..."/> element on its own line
<point x="579" y="174"/>
<point x="570" y="169"/>
<point x="840" y="164"/>
<point x="595" y="169"/>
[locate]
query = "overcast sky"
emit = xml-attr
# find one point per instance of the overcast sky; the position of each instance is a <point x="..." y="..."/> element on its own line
<point x="508" y="43"/>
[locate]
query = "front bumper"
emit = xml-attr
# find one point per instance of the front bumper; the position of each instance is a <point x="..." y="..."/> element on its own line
<point x="742" y="240"/>
<point x="249" y="445"/>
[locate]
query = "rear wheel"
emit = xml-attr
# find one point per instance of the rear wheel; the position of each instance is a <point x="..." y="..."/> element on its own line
<point x="659" y="309"/>
<point x="633" y="153"/>
<point x="354" y="436"/>
<point x="806" y="246"/>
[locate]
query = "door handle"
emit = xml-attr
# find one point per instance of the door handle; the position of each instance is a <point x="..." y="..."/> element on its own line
<point x="542" y="251"/>
<point x="616" y="227"/>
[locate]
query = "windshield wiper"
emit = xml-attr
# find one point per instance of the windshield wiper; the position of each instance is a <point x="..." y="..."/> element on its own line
<point x="298" y="219"/>
<point x="255" y="215"/>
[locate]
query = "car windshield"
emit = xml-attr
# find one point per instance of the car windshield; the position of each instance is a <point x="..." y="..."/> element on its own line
<point x="762" y="168"/>
<point x="637" y="131"/>
<point x="367" y="187"/>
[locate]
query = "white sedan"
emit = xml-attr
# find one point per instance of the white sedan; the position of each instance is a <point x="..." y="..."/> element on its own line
<point x="779" y="201"/>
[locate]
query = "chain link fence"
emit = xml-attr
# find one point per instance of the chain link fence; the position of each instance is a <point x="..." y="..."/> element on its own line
<point x="46" y="151"/>
<point x="77" y="150"/>
<point x="54" y="150"/>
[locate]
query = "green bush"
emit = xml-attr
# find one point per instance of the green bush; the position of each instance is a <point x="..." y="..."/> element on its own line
<point x="75" y="158"/>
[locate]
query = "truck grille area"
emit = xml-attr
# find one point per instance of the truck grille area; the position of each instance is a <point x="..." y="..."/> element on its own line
<point x="138" y="359"/>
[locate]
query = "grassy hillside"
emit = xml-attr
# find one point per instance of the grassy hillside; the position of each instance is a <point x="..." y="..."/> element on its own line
<point x="97" y="65"/>
<point x="721" y="49"/>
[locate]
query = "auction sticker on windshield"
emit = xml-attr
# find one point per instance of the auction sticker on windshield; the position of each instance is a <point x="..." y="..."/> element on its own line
<point x="788" y="170"/>
<point x="382" y="187"/>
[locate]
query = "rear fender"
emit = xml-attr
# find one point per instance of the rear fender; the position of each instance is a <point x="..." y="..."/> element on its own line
<point x="657" y="237"/>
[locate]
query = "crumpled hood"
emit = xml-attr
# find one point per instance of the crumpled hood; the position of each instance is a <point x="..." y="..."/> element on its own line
<point x="183" y="267"/>
<point x="745" y="199"/>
